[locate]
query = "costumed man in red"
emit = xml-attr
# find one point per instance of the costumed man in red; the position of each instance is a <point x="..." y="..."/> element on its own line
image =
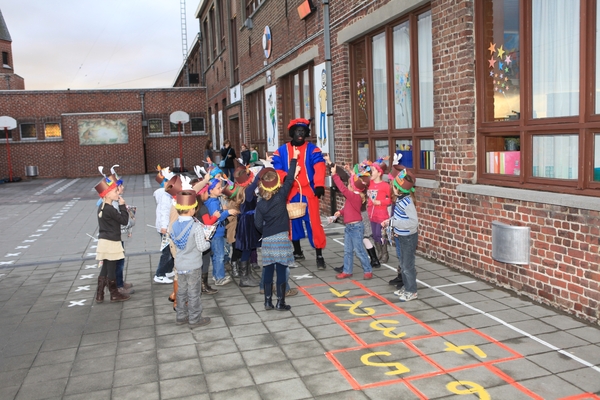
<point x="311" y="183"/>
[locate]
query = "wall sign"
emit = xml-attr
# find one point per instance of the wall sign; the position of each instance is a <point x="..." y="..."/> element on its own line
<point x="266" y="42"/>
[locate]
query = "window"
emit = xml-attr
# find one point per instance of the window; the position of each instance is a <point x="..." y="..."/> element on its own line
<point x="198" y="125"/>
<point x="206" y="43"/>
<point x="257" y="121"/>
<point x="52" y="131"/>
<point x="213" y="33"/>
<point x="392" y="98"/>
<point x="252" y="5"/>
<point x="235" y="65"/>
<point x="222" y="20"/>
<point x="155" y="127"/>
<point x="5" y="58"/>
<point x="551" y="143"/>
<point x="28" y="131"/>
<point x="296" y="94"/>
<point x="175" y="128"/>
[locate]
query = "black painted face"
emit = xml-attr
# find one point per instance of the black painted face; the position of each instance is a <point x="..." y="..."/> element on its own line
<point x="299" y="133"/>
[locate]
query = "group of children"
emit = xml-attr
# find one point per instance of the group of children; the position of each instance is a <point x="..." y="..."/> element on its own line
<point x="365" y="187"/>
<point x="196" y="218"/>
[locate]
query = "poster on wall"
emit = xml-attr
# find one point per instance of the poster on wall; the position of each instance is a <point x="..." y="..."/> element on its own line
<point x="214" y="131"/>
<point x="320" y="125"/>
<point x="271" y="108"/>
<point x="221" y="138"/>
<point x="102" y="131"/>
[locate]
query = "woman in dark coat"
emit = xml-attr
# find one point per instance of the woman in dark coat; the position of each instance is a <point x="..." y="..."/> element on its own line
<point x="228" y="154"/>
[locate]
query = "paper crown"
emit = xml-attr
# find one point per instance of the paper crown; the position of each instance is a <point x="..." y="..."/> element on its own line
<point x="360" y="183"/>
<point x="186" y="200"/>
<point x="231" y="190"/>
<point x="105" y="185"/>
<point x="380" y="165"/>
<point x="395" y="170"/>
<point x="268" y="181"/>
<point x="113" y="176"/>
<point x="213" y="183"/>
<point x="214" y="171"/>
<point x="173" y="186"/>
<point x="163" y="173"/>
<point x="405" y="181"/>
<point x="243" y="176"/>
<point x="362" y="169"/>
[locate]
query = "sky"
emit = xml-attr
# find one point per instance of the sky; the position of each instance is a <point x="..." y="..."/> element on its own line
<point x="98" y="44"/>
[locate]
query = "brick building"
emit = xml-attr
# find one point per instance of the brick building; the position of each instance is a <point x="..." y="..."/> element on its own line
<point x="497" y="127"/>
<point x="69" y="133"/>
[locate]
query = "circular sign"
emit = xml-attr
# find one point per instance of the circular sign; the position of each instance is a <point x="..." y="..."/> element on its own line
<point x="266" y="42"/>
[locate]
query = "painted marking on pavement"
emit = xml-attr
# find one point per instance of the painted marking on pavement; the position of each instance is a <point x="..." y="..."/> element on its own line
<point x="90" y="266"/>
<point x="90" y="254"/>
<point x="77" y="302"/>
<point x="12" y="254"/>
<point x="49" y="187"/>
<point x="66" y="186"/>
<point x="91" y="276"/>
<point x="7" y="262"/>
<point x="305" y="276"/>
<point x="147" y="182"/>
<point x="80" y="288"/>
<point x="22" y="247"/>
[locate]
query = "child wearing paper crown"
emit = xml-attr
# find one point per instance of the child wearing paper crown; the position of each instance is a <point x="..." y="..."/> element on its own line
<point x="379" y="198"/>
<point x="272" y="221"/>
<point x="188" y="236"/>
<point x="405" y="224"/>
<point x="354" y="230"/>
<point x="110" y="249"/>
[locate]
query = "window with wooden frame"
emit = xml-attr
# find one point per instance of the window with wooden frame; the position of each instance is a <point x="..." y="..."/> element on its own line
<point x="540" y="117"/>
<point x="392" y="93"/>
<point x="222" y="19"/>
<point x="235" y="65"/>
<point x="28" y="131"/>
<point x="297" y="90"/>
<point x="213" y="32"/>
<point x="257" y="121"/>
<point x="251" y="6"/>
<point x="206" y="43"/>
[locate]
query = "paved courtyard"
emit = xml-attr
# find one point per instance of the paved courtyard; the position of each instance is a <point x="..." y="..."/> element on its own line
<point x="463" y="338"/>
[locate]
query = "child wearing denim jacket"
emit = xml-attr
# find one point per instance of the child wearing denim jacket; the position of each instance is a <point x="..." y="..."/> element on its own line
<point x="354" y="230"/>
<point x="188" y="237"/>
<point x="405" y="225"/>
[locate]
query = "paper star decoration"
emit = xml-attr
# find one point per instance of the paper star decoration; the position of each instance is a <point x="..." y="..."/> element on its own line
<point x="492" y="62"/>
<point x="492" y="48"/>
<point x="501" y="52"/>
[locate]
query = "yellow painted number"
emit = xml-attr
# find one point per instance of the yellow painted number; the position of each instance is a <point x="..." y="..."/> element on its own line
<point x="470" y="388"/>
<point x="338" y="294"/>
<point x="352" y="309"/>
<point x="387" y="331"/>
<point x="459" y="349"/>
<point x="400" y="368"/>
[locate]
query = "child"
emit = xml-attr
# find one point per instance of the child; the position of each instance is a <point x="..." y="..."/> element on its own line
<point x="353" y="233"/>
<point x="377" y="208"/>
<point x="203" y="215"/>
<point x="188" y="236"/>
<point x="215" y="189"/>
<point x="405" y="224"/>
<point x="110" y="249"/>
<point x="164" y="202"/>
<point x="272" y="220"/>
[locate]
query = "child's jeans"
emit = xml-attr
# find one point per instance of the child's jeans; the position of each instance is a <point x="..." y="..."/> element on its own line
<point x="189" y="290"/>
<point x="287" y="280"/>
<point x="353" y="243"/>
<point x="406" y="247"/>
<point x="166" y="262"/>
<point x="217" y="244"/>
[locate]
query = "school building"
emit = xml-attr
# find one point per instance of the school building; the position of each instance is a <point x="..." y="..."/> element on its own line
<point x="492" y="103"/>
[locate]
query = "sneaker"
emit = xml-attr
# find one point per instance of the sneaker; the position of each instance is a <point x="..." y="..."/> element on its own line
<point x="255" y="266"/>
<point x="339" y="269"/>
<point x="400" y="291"/>
<point x="201" y="322"/>
<point x="223" y="281"/>
<point x="408" y="296"/>
<point x="343" y="275"/>
<point x="321" y="263"/>
<point x="122" y="290"/>
<point x="291" y="292"/>
<point x="294" y="265"/>
<point x="162" y="279"/>
<point x="127" y="285"/>
<point x="299" y="257"/>
<point x="368" y="275"/>
<point x="170" y="274"/>
<point x="183" y="321"/>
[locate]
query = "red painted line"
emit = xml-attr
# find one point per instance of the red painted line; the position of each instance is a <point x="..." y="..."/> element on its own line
<point x="500" y="344"/>
<point x="583" y="396"/>
<point x="512" y="382"/>
<point x="355" y="385"/>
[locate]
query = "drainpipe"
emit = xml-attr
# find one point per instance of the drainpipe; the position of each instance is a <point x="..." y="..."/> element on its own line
<point x="327" y="45"/>
<point x="144" y="121"/>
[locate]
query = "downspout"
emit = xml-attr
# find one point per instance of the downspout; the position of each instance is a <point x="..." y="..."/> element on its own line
<point x="144" y="123"/>
<point x="327" y="45"/>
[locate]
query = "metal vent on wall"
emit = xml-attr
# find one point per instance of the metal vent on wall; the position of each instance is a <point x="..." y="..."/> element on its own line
<point x="510" y="244"/>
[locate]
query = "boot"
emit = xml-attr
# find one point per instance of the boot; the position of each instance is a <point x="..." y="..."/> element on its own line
<point x="373" y="256"/>
<point x="281" y="306"/>
<point x="384" y="256"/>
<point x="269" y="297"/>
<point x="206" y="289"/>
<point x="114" y="292"/>
<point x="246" y="279"/>
<point x="235" y="269"/>
<point x="173" y="296"/>
<point x="100" y="290"/>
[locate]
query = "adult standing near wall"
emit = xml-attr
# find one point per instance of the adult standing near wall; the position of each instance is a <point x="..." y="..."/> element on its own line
<point x="208" y="151"/>
<point x="308" y="188"/>
<point x="228" y="154"/>
<point x="245" y="154"/>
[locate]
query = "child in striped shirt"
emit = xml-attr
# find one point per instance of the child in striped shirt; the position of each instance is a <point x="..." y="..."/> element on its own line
<point x="405" y="224"/>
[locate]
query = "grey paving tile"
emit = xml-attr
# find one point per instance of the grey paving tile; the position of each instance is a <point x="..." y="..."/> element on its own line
<point x="242" y="319"/>
<point x="96" y="351"/>
<point x="263" y="356"/>
<point x="89" y="383"/>
<point x="587" y="333"/>
<point x="180" y="339"/>
<point x="301" y="350"/>
<point x="562" y="339"/>
<point x="226" y="380"/>
<point x="585" y="378"/>
<point x="55" y="357"/>
<point x="48" y="372"/>
<point x="550" y="387"/>
<point x="93" y="365"/>
<point x="42" y="390"/>
<point x="179" y="369"/>
<point x="9" y="392"/>
<point x="136" y="346"/>
<point x="12" y="378"/>
<point x="563" y="322"/>
<point x="279" y="371"/>
<point x="99" y="338"/>
<point x="255" y="342"/>
<point x="182" y="387"/>
<point x="136" y="376"/>
<point x="246" y="393"/>
<point x="60" y="343"/>
<point x="349" y="395"/>
<point x="223" y="362"/>
<point x="145" y="391"/>
<point x="240" y="331"/>
<point x="97" y="395"/>
<point x="217" y="347"/>
<point x="526" y="346"/>
<point x="136" y="333"/>
<point x="555" y="362"/>
<point x="179" y="353"/>
<point x="537" y="311"/>
<point x="133" y="360"/>
<point x="16" y="362"/>
<point x="102" y="326"/>
<point x="313" y="365"/>
<point x="293" y="336"/>
<point x="21" y="349"/>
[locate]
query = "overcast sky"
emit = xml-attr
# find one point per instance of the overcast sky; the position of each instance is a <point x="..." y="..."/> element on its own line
<point x="97" y="44"/>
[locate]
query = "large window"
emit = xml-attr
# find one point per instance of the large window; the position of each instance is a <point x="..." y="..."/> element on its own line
<point x="257" y="121"/>
<point x="540" y="118"/>
<point x="52" y="131"/>
<point x="28" y="132"/>
<point x="198" y="125"/>
<point x="297" y="93"/>
<point x="392" y="97"/>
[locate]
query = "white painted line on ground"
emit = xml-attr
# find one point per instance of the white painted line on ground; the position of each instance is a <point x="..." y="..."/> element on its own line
<point x="90" y="266"/>
<point x="29" y="240"/>
<point x="36" y="235"/>
<point x="90" y="254"/>
<point x="77" y="303"/>
<point x="66" y="186"/>
<point x="12" y="254"/>
<point x="90" y="276"/>
<point x="453" y="284"/>
<point x="21" y="247"/>
<point x="305" y="276"/>
<point x="95" y="240"/>
<point x="7" y="262"/>
<point x="147" y="182"/>
<point x="80" y="288"/>
<point x="49" y="187"/>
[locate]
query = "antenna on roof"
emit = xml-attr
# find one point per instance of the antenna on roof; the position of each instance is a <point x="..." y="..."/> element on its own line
<point x="184" y="47"/>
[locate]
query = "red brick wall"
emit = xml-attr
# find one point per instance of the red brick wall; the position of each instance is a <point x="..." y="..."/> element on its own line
<point x="67" y="158"/>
